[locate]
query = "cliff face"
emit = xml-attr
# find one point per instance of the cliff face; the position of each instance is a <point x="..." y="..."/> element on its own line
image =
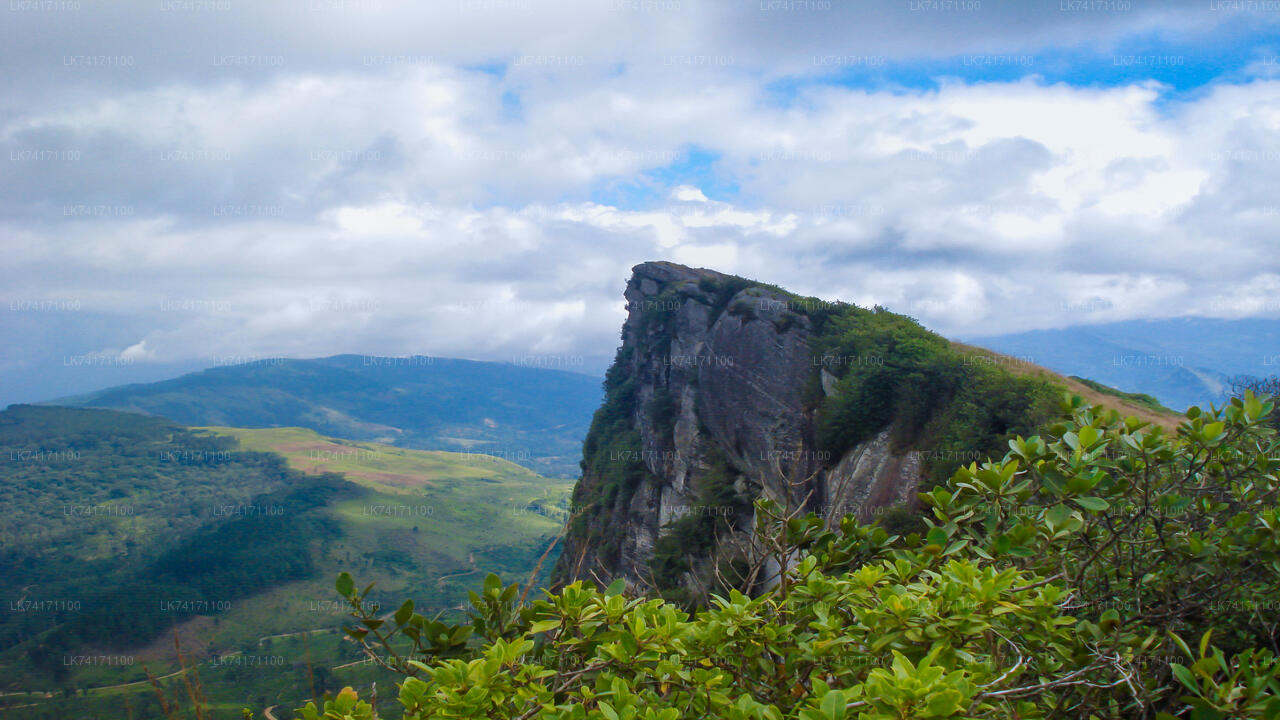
<point x="711" y="403"/>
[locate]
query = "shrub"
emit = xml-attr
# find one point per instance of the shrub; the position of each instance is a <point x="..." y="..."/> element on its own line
<point x="1052" y="583"/>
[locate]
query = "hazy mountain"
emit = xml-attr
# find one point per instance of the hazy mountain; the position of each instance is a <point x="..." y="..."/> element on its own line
<point x="1181" y="361"/>
<point x="533" y="416"/>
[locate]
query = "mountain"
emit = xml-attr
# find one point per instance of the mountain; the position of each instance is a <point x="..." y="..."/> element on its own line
<point x="1182" y="361"/>
<point x="726" y="390"/>
<point x="121" y="529"/>
<point x="535" y="417"/>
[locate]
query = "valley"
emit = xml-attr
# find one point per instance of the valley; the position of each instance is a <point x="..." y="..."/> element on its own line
<point x="127" y="530"/>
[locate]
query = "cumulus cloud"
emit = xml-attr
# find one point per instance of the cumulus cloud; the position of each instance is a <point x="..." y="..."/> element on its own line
<point x="137" y="351"/>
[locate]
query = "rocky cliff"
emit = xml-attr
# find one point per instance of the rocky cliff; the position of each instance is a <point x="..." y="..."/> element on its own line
<point x="712" y="402"/>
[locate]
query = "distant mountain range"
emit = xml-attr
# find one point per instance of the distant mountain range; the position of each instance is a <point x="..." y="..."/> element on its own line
<point x="1181" y="361"/>
<point x="532" y="416"/>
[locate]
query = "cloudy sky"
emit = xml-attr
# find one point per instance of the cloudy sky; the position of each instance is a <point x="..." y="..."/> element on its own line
<point x="194" y="182"/>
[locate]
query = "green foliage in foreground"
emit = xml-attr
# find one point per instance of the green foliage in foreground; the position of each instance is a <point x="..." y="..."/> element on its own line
<point x="1106" y="569"/>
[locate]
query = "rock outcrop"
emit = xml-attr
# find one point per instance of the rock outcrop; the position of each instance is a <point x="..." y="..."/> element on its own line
<point x="718" y="379"/>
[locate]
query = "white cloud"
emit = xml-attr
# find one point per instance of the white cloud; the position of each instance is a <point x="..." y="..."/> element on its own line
<point x="688" y="193"/>
<point x="412" y="210"/>
<point x="137" y="351"/>
<point x="383" y="219"/>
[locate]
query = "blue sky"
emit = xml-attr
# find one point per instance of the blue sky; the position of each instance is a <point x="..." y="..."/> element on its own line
<point x="1185" y="62"/>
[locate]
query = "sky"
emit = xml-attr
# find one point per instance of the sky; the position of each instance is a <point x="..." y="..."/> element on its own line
<point x="187" y="183"/>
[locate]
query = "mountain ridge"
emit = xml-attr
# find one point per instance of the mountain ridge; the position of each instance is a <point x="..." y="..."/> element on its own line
<point x="536" y="416"/>
<point x="1182" y="361"/>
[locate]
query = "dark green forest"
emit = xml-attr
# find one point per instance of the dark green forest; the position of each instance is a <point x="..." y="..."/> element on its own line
<point x="129" y="524"/>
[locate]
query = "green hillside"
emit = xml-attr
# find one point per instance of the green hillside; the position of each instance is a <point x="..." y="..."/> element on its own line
<point x="1141" y="399"/>
<point x="533" y="416"/>
<point x="124" y="529"/>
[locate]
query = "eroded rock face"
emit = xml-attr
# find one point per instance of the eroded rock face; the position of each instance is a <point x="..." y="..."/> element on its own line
<point x="721" y="369"/>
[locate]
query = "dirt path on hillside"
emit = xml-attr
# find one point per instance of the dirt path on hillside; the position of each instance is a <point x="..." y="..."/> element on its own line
<point x="39" y="693"/>
<point x="440" y="580"/>
<point x="136" y="682"/>
<point x="295" y="634"/>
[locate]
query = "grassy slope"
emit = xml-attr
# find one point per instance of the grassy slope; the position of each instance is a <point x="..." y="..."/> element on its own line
<point x="473" y="514"/>
<point x="1115" y="400"/>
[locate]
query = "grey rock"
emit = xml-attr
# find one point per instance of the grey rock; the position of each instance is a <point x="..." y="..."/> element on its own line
<point x="737" y="375"/>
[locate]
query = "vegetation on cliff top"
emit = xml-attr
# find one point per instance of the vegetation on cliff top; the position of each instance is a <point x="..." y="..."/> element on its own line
<point x="893" y="373"/>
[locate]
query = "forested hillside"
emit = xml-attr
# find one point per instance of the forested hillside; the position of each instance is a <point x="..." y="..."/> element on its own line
<point x="122" y="529"/>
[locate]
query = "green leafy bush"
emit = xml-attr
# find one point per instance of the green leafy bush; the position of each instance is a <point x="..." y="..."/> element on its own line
<point x="718" y="508"/>
<point x="1056" y="582"/>
<point x="664" y="410"/>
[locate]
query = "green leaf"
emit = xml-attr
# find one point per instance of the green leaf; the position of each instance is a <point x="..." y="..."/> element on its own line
<point x="1184" y="676"/>
<point x="615" y="588"/>
<point x="492" y="583"/>
<point x="833" y="705"/>
<point x="460" y="634"/>
<point x="629" y="643"/>
<point x="1182" y="644"/>
<point x="1204" y="642"/>
<point x="544" y="625"/>
<point x="944" y="704"/>
<point x="1096" y="504"/>
<point x="1057" y="516"/>
<point x="404" y="613"/>
<point x="345" y="584"/>
<point x="1089" y="435"/>
<point x="1212" y="431"/>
